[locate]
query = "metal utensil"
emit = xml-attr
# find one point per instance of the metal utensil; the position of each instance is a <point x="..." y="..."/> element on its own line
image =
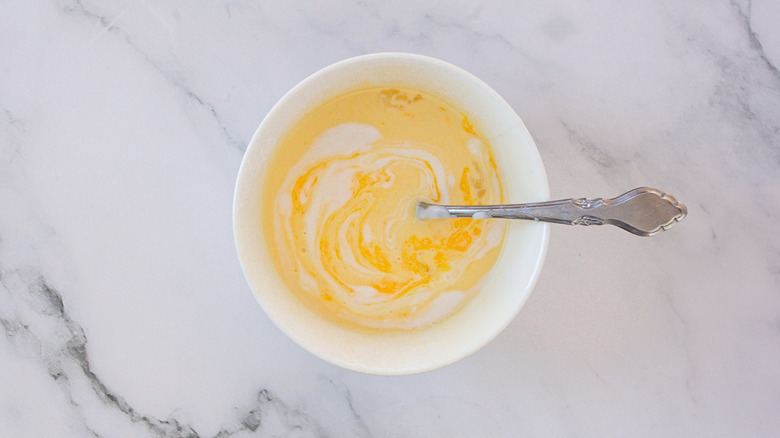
<point x="643" y="211"/>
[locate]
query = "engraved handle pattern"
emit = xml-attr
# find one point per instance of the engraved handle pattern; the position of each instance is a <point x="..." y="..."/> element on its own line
<point x="643" y="211"/>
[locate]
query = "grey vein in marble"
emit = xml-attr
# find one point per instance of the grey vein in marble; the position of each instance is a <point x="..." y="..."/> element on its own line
<point x="439" y="21"/>
<point x="10" y="128"/>
<point x="360" y="427"/>
<point x="685" y="340"/>
<point x="755" y="42"/>
<point x="608" y="166"/>
<point x="77" y="8"/>
<point x="67" y="363"/>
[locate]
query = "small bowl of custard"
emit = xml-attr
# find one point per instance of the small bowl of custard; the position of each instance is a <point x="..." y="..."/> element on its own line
<point x="325" y="214"/>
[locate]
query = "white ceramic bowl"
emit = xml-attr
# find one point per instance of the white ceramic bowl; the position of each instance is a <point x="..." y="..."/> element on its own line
<point x="524" y="180"/>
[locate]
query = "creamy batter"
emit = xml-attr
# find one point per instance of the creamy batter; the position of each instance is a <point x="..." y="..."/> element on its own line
<point x="340" y="200"/>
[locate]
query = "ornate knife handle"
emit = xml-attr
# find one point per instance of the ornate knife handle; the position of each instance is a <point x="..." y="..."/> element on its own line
<point x="643" y="211"/>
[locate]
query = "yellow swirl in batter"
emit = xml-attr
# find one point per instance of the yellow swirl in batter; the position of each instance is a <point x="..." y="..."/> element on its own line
<point x="340" y="200"/>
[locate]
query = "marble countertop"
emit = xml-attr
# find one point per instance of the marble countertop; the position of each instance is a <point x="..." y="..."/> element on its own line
<point x="123" y="309"/>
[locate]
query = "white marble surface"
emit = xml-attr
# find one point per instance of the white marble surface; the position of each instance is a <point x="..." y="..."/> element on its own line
<point x="123" y="309"/>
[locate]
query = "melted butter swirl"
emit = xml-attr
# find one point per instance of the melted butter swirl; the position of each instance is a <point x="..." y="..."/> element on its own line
<point x="346" y="235"/>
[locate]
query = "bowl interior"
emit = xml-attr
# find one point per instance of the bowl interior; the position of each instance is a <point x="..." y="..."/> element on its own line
<point x="524" y="180"/>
